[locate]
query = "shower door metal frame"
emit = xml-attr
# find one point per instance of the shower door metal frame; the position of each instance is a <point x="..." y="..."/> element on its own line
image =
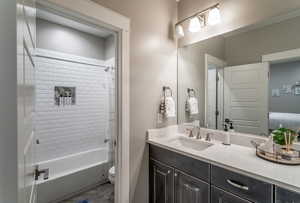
<point x="88" y="11"/>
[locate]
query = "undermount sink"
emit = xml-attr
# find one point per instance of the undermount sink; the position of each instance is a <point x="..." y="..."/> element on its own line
<point x="190" y="143"/>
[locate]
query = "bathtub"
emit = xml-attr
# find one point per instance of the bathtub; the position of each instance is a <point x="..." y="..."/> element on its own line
<point x="72" y="174"/>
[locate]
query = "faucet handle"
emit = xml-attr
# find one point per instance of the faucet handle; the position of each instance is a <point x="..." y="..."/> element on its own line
<point x="189" y="132"/>
<point x="208" y="138"/>
<point x="198" y="137"/>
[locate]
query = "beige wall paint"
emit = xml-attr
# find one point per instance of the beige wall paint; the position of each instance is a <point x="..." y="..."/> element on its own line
<point x="248" y="47"/>
<point x="153" y="63"/>
<point x="235" y="14"/>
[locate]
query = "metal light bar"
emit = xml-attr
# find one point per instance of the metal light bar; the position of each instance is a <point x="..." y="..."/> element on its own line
<point x="198" y="14"/>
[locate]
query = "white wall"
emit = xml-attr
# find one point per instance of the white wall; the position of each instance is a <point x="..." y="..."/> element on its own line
<point x="8" y="102"/>
<point x="68" y="40"/>
<point x="110" y="47"/>
<point x="65" y="130"/>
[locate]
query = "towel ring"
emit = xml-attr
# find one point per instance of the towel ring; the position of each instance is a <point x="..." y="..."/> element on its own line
<point x="167" y="89"/>
<point x="191" y="92"/>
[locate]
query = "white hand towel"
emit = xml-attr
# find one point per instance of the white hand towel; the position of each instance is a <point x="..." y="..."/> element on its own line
<point x="170" y="107"/>
<point x="193" y="105"/>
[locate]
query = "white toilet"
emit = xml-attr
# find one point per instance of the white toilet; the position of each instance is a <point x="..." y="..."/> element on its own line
<point x="111" y="175"/>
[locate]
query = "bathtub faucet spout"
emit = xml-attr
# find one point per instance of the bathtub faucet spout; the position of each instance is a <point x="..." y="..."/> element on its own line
<point x="39" y="172"/>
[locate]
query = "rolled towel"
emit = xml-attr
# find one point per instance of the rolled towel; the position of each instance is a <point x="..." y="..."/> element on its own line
<point x="170" y="110"/>
<point x="192" y="105"/>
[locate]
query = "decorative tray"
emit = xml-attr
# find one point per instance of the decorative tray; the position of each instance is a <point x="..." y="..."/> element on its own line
<point x="279" y="154"/>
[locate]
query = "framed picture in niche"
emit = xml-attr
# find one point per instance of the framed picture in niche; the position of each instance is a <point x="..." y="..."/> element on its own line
<point x="64" y="96"/>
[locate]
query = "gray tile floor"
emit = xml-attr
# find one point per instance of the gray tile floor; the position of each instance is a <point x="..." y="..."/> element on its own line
<point x="101" y="194"/>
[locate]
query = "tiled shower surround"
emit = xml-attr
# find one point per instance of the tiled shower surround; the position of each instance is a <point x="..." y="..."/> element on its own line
<point x="70" y="129"/>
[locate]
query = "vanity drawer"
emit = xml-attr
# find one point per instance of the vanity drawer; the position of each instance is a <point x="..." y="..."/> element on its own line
<point x="286" y="196"/>
<point x="186" y="164"/>
<point x="243" y="186"/>
<point x="220" y="196"/>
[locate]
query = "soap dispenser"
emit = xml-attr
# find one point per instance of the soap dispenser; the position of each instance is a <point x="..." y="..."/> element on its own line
<point x="226" y="135"/>
<point x="231" y="128"/>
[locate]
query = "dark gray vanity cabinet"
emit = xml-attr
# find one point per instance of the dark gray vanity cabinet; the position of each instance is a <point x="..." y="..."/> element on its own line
<point x="176" y="178"/>
<point x="188" y="178"/>
<point x="286" y="196"/>
<point x="190" y="189"/>
<point x="161" y="179"/>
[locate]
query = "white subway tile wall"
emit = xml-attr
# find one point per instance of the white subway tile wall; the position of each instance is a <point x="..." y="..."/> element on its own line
<point x="66" y="130"/>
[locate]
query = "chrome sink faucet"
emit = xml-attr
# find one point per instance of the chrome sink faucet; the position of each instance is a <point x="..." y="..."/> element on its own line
<point x="194" y="132"/>
<point x="198" y="136"/>
<point x="208" y="137"/>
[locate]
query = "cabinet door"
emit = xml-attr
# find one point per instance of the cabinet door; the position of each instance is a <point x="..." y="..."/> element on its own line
<point x="161" y="179"/>
<point x="189" y="189"/>
<point x="286" y="196"/>
<point x="188" y="165"/>
<point x="220" y="196"/>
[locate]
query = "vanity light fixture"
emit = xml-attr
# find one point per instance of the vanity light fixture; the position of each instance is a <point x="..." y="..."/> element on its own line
<point x="179" y="31"/>
<point x="195" y="24"/>
<point x="214" y="16"/>
<point x="198" y="20"/>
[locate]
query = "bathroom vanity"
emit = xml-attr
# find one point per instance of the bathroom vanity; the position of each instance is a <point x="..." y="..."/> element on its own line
<point x="246" y="83"/>
<point x="186" y="170"/>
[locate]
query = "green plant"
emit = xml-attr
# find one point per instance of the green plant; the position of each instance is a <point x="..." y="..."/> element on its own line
<point x="279" y="135"/>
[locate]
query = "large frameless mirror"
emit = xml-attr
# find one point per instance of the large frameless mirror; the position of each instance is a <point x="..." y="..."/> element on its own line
<point x="247" y="80"/>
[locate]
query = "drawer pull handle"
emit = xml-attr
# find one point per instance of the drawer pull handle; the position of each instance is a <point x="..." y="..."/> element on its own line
<point x="190" y="188"/>
<point x="237" y="185"/>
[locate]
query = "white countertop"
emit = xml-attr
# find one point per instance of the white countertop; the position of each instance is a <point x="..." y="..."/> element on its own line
<point x="235" y="157"/>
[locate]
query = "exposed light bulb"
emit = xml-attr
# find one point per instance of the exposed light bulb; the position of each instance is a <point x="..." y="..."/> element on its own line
<point x="179" y="31"/>
<point x="214" y="16"/>
<point x="195" y="25"/>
